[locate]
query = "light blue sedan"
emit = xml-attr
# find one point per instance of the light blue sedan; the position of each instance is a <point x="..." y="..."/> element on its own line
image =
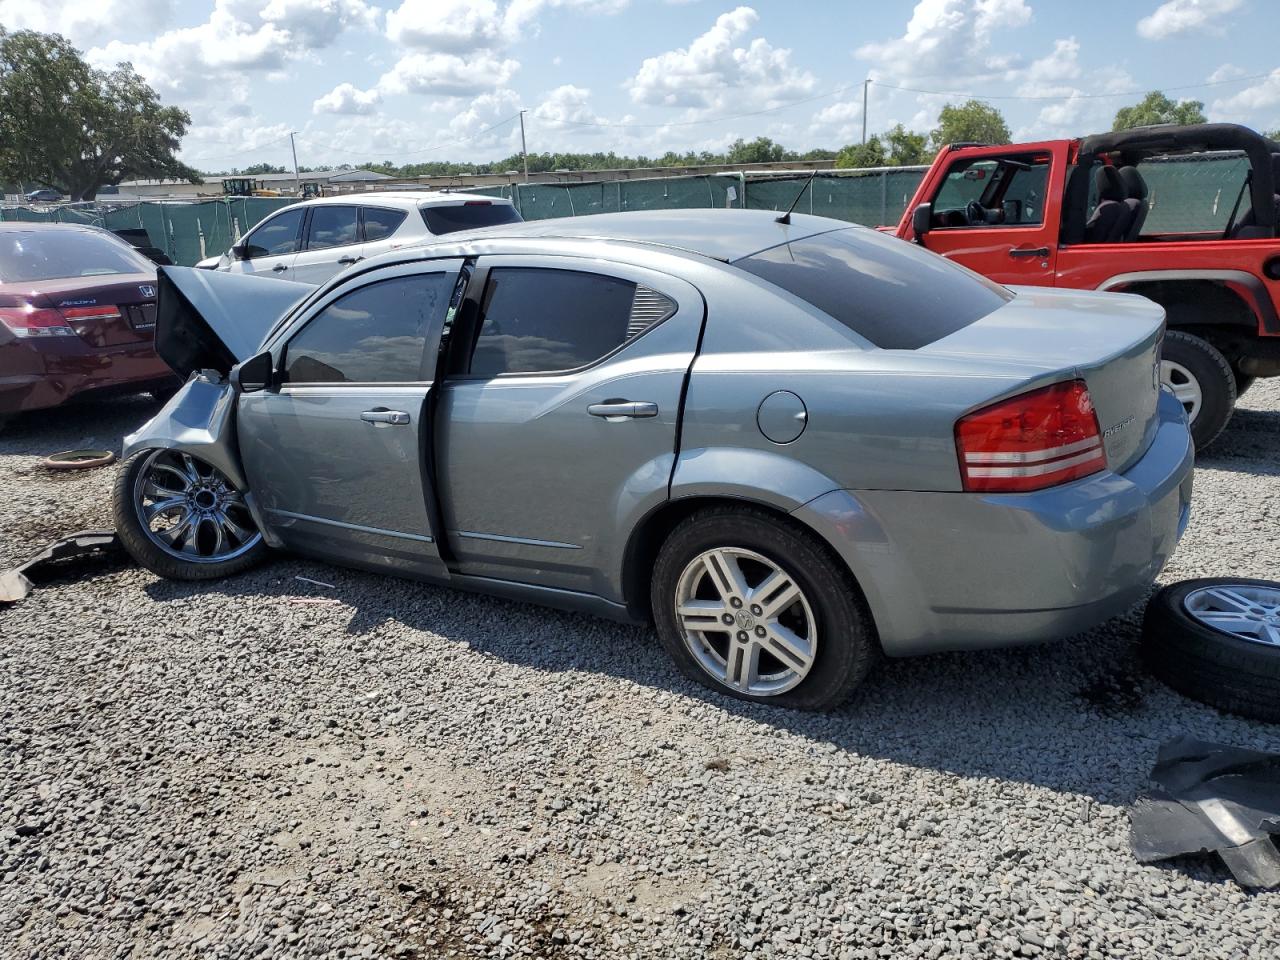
<point x="793" y="445"/>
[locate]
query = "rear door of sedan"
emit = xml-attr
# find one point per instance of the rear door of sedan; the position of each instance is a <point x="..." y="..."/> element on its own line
<point x="560" y="414"/>
<point x="339" y="453"/>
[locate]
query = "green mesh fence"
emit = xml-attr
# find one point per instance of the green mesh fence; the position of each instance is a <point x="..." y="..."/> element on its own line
<point x="1186" y="194"/>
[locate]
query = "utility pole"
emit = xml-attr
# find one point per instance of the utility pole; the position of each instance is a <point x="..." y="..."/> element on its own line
<point x="297" y="180"/>
<point x="865" y="83"/>
<point x="524" y="151"/>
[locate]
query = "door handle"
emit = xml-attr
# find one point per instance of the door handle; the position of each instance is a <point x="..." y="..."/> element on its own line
<point x="347" y="261"/>
<point x="618" y="409"/>
<point x="1029" y="252"/>
<point x="279" y="268"/>
<point x="398" y="417"/>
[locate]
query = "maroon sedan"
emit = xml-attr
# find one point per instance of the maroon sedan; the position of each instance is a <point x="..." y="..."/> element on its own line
<point x="77" y="314"/>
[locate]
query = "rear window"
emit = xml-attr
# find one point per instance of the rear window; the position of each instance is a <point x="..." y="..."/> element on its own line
<point x="53" y="254"/>
<point x="895" y="294"/>
<point x="468" y="216"/>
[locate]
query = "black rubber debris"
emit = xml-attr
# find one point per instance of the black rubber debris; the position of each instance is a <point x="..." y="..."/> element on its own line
<point x="1211" y="799"/>
<point x="68" y="558"/>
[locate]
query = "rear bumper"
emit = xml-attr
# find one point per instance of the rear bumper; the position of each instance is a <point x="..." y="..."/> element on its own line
<point x="35" y="375"/>
<point x="956" y="571"/>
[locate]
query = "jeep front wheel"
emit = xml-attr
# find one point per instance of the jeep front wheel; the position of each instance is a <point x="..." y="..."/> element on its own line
<point x="1203" y="382"/>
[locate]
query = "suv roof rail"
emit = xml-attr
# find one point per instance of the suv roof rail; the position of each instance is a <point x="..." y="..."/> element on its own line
<point x="968" y="143"/>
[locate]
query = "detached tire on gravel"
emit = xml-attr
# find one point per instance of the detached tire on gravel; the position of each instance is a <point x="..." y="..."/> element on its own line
<point x="1217" y="640"/>
<point x="1202" y="379"/>
<point x="757" y="607"/>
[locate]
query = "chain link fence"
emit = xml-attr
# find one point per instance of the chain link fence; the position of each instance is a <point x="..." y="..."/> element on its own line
<point x="1186" y="194"/>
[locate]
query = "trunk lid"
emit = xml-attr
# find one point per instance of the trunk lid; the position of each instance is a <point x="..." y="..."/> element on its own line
<point x="208" y="320"/>
<point x="104" y="311"/>
<point x="1111" y="341"/>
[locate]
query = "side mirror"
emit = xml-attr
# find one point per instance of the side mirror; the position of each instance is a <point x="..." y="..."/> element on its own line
<point x="240" y="251"/>
<point x="922" y="220"/>
<point x="254" y="374"/>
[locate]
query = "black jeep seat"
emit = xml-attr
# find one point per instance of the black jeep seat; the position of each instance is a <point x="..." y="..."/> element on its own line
<point x="1136" y="189"/>
<point x="1110" y="219"/>
<point x="1246" y="227"/>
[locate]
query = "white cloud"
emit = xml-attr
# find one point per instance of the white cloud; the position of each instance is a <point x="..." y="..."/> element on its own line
<point x="714" y="71"/>
<point x="82" y="22"/>
<point x="1184" y="16"/>
<point x="483" y="112"/>
<point x="346" y="98"/>
<point x="452" y="26"/>
<point x="1258" y="104"/>
<point x="950" y="40"/>
<point x="1228" y="71"/>
<point x="318" y="23"/>
<point x="838" y="123"/>
<point x="444" y="74"/>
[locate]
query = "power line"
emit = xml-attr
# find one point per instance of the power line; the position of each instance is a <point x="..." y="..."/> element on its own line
<point x="239" y="152"/>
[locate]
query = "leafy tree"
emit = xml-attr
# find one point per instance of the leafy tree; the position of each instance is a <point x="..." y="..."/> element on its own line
<point x="68" y="126"/>
<point x="971" y="121"/>
<point x="869" y="154"/>
<point x="257" y="168"/>
<point x="906" y="147"/>
<point x="759" y="150"/>
<point x="1155" y="107"/>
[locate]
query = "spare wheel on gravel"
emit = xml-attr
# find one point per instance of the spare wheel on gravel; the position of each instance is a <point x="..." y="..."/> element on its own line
<point x="1217" y="640"/>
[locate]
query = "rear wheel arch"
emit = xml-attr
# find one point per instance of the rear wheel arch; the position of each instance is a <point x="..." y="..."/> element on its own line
<point x="653" y="529"/>
<point x="1201" y="303"/>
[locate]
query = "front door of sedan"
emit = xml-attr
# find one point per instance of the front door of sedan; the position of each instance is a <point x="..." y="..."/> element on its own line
<point x="560" y="417"/>
<point x="338" y="455"/>
<point x="271" y="246"/>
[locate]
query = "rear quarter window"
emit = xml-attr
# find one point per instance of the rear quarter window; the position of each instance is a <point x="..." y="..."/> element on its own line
<point x="892" y="293"/>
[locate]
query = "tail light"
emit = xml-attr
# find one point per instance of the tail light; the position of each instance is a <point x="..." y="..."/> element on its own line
<point x="106" y="311"/>
<point x="26" y="322"/>
<point x="1032" y="441"/>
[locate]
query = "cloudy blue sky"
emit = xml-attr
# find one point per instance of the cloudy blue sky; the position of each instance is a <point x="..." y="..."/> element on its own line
<point x="410" y="80"/>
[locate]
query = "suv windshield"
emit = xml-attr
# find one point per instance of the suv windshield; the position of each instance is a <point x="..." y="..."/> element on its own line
<point x="468" y="216"/>
<point x="53" y="254"/>
<point x="894" y="294"/>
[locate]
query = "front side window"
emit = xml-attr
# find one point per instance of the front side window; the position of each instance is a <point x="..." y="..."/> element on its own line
<point x="896" y="295"/>
<point x="277" y="236"/>
<point x="380" y="223"/>
<point x="332" y="226"/>
<point x="995" y="192"/>
<point x="376" y="334"/>
<point x="538" y="321"/>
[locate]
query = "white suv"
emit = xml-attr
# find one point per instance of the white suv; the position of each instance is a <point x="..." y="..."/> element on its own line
<point x="311" y="241"/>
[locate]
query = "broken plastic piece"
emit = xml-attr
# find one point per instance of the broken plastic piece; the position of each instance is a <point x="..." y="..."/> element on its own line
<point x="52" y="561"/>
<point x="1212" y="798"/>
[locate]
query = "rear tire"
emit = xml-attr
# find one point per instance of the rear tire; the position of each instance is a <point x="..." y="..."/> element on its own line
<point x="1222" y="669"/>
<point x="793" y="597"/>
<point x="1243" y="383"/>
<point x="1202" y="379"/>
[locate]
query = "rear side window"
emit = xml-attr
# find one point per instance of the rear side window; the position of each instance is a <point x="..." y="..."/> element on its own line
<point x="897" y="295"/>
<point x="376" y="334"/>
<point x="380" y="224"/>
<point x="52" y="253"/>
<point x="468" y="216"/>
<point x="543" y="321"/>
<point x="332" y="227"/>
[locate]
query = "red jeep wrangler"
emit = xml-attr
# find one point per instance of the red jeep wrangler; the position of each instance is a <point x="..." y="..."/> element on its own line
<point x="1183" y="215"/>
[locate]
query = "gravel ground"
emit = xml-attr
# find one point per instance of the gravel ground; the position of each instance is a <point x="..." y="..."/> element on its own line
<point x="222" y="771"/>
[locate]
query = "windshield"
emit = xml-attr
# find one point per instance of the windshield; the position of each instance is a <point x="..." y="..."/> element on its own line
<point x="895" y="294"/>
<point x="468" y="216"/>
<point x="54" y="254"/>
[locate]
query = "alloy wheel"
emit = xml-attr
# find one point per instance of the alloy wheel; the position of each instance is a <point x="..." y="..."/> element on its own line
<point x="191" y="511"/>
<point x="1185" y="387"/>
<point x="746" y="621"/>
<point x="1243" y="610"/>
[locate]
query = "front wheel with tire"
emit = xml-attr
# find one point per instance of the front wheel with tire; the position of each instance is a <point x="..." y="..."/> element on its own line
<point x="1217" y="640"/>
<point x="182" y="518"/>
<point x="1203" y="382"/>
<point x="757" y="607"/>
